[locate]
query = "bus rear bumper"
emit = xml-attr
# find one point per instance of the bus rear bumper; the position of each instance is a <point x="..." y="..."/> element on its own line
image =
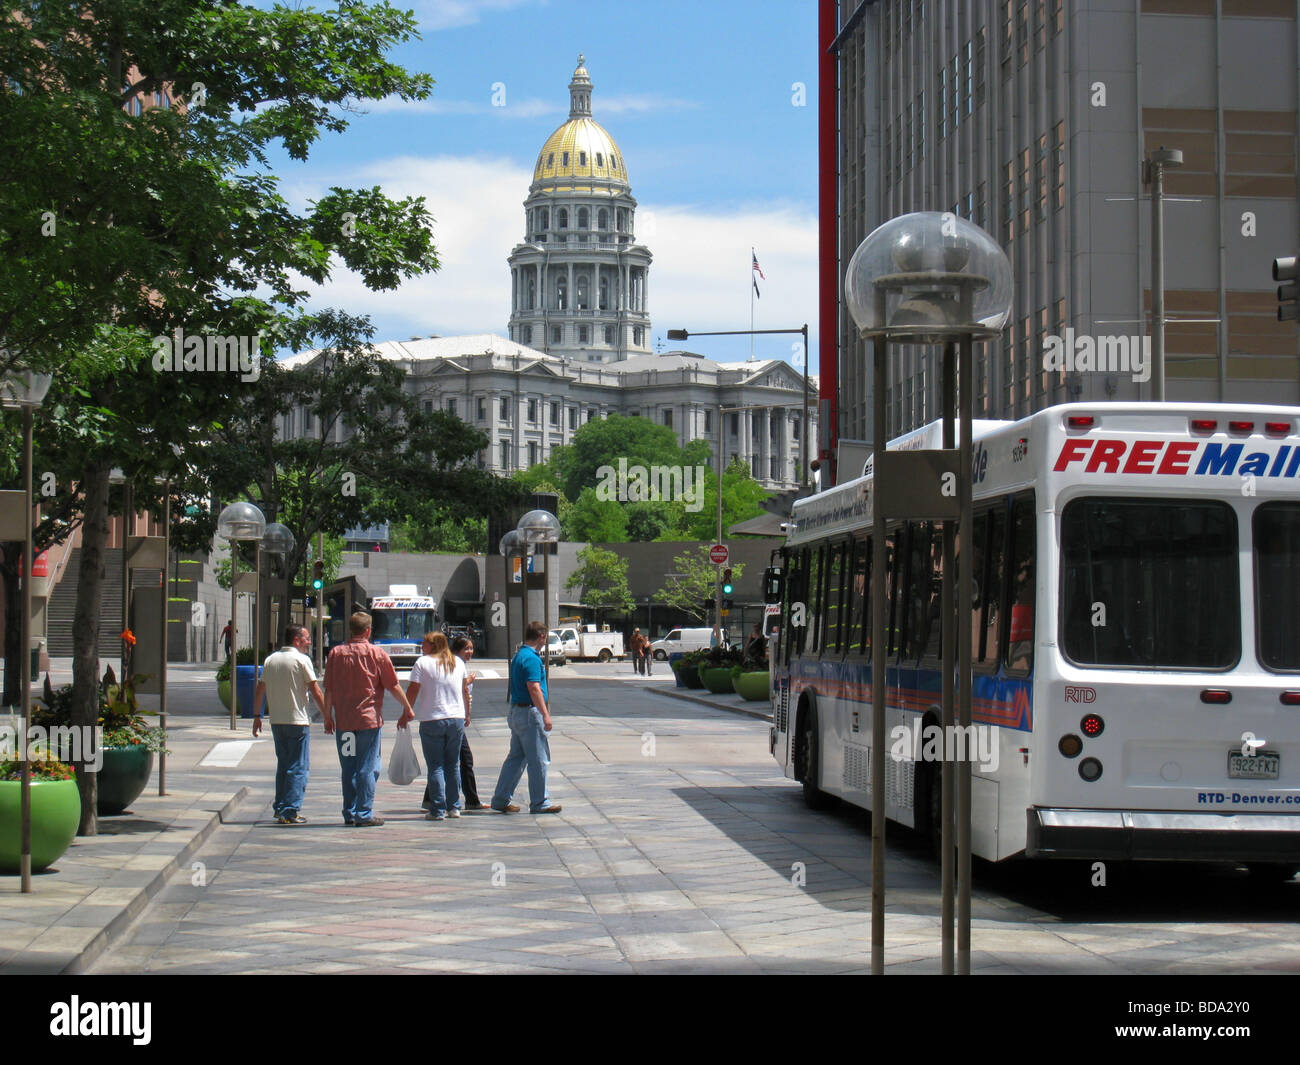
<point x="1162" y="835"/>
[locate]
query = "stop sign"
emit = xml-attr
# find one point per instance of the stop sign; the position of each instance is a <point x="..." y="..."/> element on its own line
<point x="718" y="554"/>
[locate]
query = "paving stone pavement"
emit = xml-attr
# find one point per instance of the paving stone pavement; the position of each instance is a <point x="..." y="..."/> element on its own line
<point x="680" y="849"/>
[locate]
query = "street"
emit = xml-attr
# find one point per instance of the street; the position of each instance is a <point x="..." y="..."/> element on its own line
<point x="680" y="849"/>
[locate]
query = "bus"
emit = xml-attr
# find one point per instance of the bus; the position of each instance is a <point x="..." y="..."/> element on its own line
<point x="1135" y="639"/>
<point x="399" y="621"/>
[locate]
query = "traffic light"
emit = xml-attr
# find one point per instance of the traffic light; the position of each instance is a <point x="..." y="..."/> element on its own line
<point x="727" y="587"/>
<point x="1285" y="270"/>
<point x="318" y="574"/>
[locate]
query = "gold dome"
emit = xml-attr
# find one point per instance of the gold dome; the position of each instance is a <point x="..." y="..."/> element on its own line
<point x="580" y="155"/>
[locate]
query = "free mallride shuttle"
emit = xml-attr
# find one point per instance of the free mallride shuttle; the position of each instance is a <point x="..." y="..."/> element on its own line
<point x="1136" y="639"/>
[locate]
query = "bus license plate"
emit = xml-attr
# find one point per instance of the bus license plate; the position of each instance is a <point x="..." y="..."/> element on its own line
<point x="1263" y="765"/>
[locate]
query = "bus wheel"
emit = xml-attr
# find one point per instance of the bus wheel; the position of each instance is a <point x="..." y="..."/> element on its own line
<point x="808" y="762"/>
<point x="604" y="655"/>
<point x="1267" y="872"/>
<point x="934" y="812"/>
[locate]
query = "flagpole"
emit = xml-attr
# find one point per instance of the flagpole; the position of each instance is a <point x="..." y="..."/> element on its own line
<point x="752" y="286"/>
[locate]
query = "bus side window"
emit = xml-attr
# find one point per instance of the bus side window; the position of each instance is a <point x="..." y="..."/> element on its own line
<point x="835" y="605"/>
<point x="812" y="644"/>
<point x="919" y="580"/>
<point x="859" y="581"/>
<point x="894" y="574"/>
<point x="796" y="564"/>
<point x="1020" y="635"/>
<point x="993" y="591"/>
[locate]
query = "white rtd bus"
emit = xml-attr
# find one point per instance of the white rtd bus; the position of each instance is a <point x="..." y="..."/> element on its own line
<point x="1136" y="639"/>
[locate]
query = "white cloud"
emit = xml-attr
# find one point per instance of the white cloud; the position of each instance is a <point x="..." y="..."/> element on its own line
<point x="699" y="279"/>
<point x="528" y="108"/>
<point x="446" y="14"/>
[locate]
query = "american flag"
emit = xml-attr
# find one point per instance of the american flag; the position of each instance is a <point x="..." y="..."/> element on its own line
<point x="757" y="268"/>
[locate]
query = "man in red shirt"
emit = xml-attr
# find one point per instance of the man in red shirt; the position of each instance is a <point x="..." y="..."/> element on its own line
<point x="357" y="674"/>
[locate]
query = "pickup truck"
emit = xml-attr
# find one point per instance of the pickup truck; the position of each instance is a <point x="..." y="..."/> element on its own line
<point x="586" y="644"/>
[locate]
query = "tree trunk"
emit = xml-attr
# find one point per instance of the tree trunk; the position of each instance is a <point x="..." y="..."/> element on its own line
<point x="13" y="624"/>
<point x="85" y="635"/>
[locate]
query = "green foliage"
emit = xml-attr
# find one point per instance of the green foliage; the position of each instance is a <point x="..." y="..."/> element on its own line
<point x="593" y="520"/>
<point x="696" y="583"/>
<point x="439" y="529"/>
<point x="602" y="576"/>
<point x="243" y="657"/>
<point x="603" y="441"/>
<point x="742" y="498"/>
<point x="120" y="716"/>
<point x="42" y="768"/>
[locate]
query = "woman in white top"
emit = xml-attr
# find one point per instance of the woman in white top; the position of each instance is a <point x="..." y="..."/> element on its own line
<point x="439" y="693"/>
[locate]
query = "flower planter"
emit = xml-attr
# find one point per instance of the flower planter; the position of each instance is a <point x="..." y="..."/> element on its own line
<point x="247" y="686"/>
<point x="755" y="687"/>
<point x="56" y="812"/>
<point x="690" y="676"/>
<point x="717" y="679"/>
<point x="123" y="776"/>
<point x="223" y="693"/>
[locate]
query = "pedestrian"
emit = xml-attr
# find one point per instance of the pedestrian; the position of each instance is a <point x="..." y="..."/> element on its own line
<point x="636" y="645"/>
<point x="225" y="639"/>
<point x="357" y="674"/>
<point x="287" y="680"/>
<point x="463" y="647"/>
<point x="438" y="692"/>
<point x="756" y="648"/>
<point x="530" y="721"/>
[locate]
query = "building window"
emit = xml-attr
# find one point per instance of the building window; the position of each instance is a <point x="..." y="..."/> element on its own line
<point x="604" y="295"/>
<point x="794" y="428"/>
<point x="562" y="218"/>
<point x="573" y="417"/>
<point x="668" y="418"/>
<point x="1040" y="177"/>
<point x="451" y="406"/>
<point x="428" y="406"/>
<point x="555" y="334"/>
<point x="1009" y="203"/>
<point x="582" y="285"/>
<point x="532" y="455"/>
<point x="582" y="158"/>
<point x="482" y="410"/>
<point x="735" y="423"/>
<point x="600" y="161"/>
<point x="561" y="293"/>
<point x="545" y="218"/>
<point x="591" y="414"/>
<point x="1026" y="191"/>
<point x="528" y="334"/>
<point x="583" y="337"/>
<point x="505" y="409"/>
<point x="609" y="335"/>
<point x="532" y="412"/>
<point x="708" y="421"/>
<point x="774" y="469"/>
<point x="505" y="454"/>
<point x="584" y="218"/>
<point x="555" y="413"/>
<point x="550" y="160"/>
<point x="564" y="159"/>
<point x="602" y="217"/>
<point x="1058" y="150"/>
<point x="980" y="52"/>
<point x="638" y="335"/>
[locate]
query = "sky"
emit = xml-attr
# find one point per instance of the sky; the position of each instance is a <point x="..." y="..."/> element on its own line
<point x="712" y="103"/>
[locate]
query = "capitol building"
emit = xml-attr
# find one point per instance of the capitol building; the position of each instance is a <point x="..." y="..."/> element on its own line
<point x="579" y="334"/>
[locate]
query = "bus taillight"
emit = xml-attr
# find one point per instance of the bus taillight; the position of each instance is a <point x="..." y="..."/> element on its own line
<point x="1092" y="725"/>
<point x="1241" y="427"/>
<point x="1289" y="698"/>
<point x="1070" y="745"/>
<point x="1080" y="421"/>
<point x="1216" y="695"/>
<point x="1277" y="428"/>
<point x="1204" y="425"/>
<point x="1090" y="769"/>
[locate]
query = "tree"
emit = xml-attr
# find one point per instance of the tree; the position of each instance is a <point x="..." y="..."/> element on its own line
<point x="696" y="583"/>
<point x="602" y="442"/>
<point x="122" y="222"/>
<point x="742" y="499"/>
<point x="602" y="576"/>
<point x="595" y="520"/>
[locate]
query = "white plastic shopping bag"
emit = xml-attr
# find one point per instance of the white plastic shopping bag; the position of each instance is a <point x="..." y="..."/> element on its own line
<point x="403" y="765"/>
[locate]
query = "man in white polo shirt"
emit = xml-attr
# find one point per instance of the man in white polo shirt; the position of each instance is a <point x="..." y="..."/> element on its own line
<point x="287" y="679"/>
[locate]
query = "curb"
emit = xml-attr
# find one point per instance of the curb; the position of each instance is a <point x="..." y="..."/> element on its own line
<point x="118" y="926"/>
<point x="674" y="694"/>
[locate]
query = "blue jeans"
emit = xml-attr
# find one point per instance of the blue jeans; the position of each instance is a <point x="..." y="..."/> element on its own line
<point x="292" y="763"/>
<point x="441" y="740"/>
<point x="360" y="772"/>
<point x="528" y="746"/>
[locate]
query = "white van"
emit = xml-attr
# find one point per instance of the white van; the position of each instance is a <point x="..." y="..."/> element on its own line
<point x="683" y="640"/>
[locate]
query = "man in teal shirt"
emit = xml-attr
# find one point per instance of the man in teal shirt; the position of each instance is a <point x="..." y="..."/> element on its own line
<point x="530" y="721"/>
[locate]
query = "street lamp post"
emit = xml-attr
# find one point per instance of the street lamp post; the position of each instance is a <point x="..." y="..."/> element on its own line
<point x="279" y="541"/>
<point x="514" y="546"/>
<point x="542" y="527"/>
<point x="685" y="334"/>
<point x="237" y="523"/>
<point x="23" y="389"/>
<point x="927" y="278"/>
<point x="1157" y="162"/>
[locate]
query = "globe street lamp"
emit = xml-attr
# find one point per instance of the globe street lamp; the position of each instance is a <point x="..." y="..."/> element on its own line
<point x="513" y="546"/>
<point x="238" y="523"/>
<point x="928" y="278"/>
<point x="542" y="527"/>
<point x="24" y="389"/>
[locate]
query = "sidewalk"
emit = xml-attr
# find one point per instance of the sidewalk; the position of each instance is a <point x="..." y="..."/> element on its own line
<point x="734" y="703"/>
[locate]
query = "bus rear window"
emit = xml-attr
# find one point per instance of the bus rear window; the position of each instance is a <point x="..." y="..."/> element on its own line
<point x="1277" y="584"/>
<point x="1149" y="583"/>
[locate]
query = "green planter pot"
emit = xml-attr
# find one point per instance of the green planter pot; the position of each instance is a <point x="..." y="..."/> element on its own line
<point x="690" y="676"/>
<point x="56" y="812"/>
<point x="223" y="693"/>
<point x="754" y="687"/>
<point x="123" y="776"/>
<point x="717" y="680"/>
